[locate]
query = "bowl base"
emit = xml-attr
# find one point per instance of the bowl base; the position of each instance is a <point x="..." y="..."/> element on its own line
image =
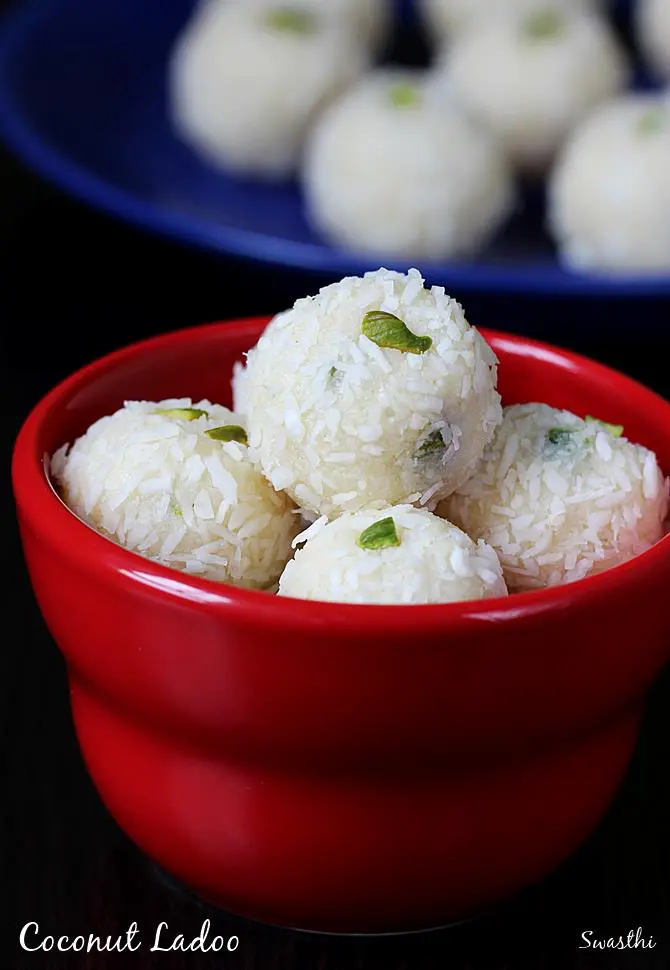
<point x="175" y="886"/>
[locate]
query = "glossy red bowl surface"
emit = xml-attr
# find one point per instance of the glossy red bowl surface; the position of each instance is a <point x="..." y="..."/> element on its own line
<point x="335" y="767"/>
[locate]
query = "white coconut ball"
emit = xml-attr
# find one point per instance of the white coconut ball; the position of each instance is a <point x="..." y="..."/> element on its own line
<point x="609" y="197"/>
<point x="653" y="33"/>
<point x="372" y="393"/>
<point x="248" y="79"/>
<point x="400" y="556"/>
<point x="448" y="18"/>
<point x="532" y="78"/>
<point x="151" y="478"/>
<point x="560" y="498"/>
<point x="394" y="168"/>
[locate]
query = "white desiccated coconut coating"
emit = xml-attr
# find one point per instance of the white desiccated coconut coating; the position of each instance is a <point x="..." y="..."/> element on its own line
<point x="557" y="512"/>
<point x="340" y="423"/>
<point x="447" y="18"/>
<point x="244" y="94"/>
<point x="412" y="182"/>
<point x="653" y="33"/>
<point x="434" y="563"/>
<point x="532" y="90"/>
<point x="609" y="195"/>
<point x="161" y="487"/>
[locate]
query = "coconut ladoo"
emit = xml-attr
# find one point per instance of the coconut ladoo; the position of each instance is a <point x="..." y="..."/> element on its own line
<point x="560" y="498"/>
<point x="532" y="77"/>
<point x="173" y="481"/>
<point x="248" y="79"/>
<point x="402" y="555"/>
<point x="609" y="194"/>
<point x="396" y="169"/>
<point x="374" y="392"/>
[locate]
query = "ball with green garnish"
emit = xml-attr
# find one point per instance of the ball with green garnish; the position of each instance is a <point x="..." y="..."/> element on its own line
<point x="560" y="497"/>
<point x="374" y="392"/>
<point x="531" y="77"/>
<point x="402" y="555"/>
<point x="609" y="194"/>
<point x="174" y="481"/>
<point x="248" y="78"/>
<point x="397" y="169"/>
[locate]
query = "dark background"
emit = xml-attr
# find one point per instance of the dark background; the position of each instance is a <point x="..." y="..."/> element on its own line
<point x="74" y="285"/>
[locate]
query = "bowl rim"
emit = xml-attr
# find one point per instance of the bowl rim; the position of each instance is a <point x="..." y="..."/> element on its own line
<point x="37" y="500"/>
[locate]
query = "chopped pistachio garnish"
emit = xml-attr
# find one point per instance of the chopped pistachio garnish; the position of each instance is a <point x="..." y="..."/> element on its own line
<point x="652" y="121"/>
<point x="404" y="95"/>
<point x="229" y="432"/>
<point x="182" y="414"/>
<point x="291" y="20"/>
<point x="431" y="445"/>
<point x="387" y="330"/>
<point x="559" y="436"/>
<point x="544" y="25"/>
<point x="380" y="535"/>
<point x="175" y="508"/>
<point x="616" y="430"/>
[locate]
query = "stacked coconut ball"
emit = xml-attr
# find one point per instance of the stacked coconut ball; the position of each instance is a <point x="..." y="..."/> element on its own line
<point x="371" y="411"/>
<point x="374" y="405"/>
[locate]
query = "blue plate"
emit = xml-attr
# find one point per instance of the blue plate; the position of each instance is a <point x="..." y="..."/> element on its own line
<point x="83" y="101"/>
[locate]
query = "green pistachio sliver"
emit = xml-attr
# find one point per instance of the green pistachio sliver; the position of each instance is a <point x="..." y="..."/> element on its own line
<point x="175" y="508"/>
<point x="404" y="95"/>
<point x="181" y="414"/>
<point x="616" y="430"/>
<point x="228" y="432"/>
<point x="431" y="445"/>
<point x="559" y="436"/>
<point x="291" y="20"/>
<point x="380" y="535"/>
<point x="544" y="25"/>
<point x="387" y="330"/>
<point x="652" y="121"/>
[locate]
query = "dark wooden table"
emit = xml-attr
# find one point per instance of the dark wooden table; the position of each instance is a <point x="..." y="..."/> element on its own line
<point x="75" y="285"/>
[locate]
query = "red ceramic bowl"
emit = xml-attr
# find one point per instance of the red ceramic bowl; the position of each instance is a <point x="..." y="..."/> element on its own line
<point x="342" y="768"/>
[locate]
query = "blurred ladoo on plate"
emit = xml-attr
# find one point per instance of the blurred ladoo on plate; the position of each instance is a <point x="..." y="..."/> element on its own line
<point x="609" y="195"/>
<point x="247" y="80"/>
<point x="396" y="168"/>
<point x="532" y="77"/>
<point x="222" y="169"/>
